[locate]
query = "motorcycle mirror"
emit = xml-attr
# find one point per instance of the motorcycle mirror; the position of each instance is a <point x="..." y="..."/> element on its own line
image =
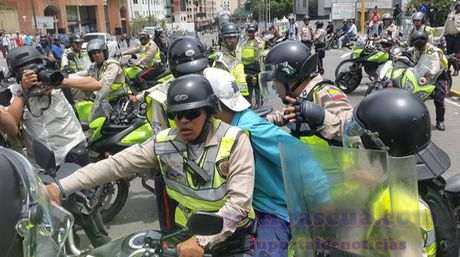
<point x="203" y="223"/>
<point x="44" y="157"/>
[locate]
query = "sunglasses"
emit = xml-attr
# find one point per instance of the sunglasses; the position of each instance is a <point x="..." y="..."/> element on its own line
<point x="189" y="114"/>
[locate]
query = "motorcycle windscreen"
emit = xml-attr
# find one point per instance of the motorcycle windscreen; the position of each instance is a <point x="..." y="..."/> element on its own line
<point x="350" y="202"/>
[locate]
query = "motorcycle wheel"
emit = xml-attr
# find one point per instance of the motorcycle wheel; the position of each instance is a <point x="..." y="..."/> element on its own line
<point x="114" y="197"/>
<point x="347" y="76"/>
<point x="445" y="230"/>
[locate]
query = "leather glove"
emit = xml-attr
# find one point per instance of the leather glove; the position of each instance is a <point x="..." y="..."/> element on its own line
<point x="310" y="113"/>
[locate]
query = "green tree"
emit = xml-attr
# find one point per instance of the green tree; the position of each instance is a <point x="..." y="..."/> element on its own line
<point x="138" y="24"/>
<point x="278" y="8"/>
<point x="440" y="9"/>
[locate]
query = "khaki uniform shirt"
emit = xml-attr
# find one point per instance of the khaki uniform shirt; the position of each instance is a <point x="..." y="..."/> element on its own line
<point x="150" y="49"/>
<point x="428" y="62"/>
<point x="141" y="158"/>
<point x="428" y="30"/>
<point x="393" y="32"/>
<point x="452" y="25"/>
<point x="306" y="33"/>
<point x="336" y="106"/>
<point x="108" y="73"/>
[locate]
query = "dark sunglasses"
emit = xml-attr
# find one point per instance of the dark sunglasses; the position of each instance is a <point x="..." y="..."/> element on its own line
<point x="189" y="114"/>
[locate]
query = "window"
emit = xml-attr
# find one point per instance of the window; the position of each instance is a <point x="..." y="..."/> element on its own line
<point x="304" y="3"/>
<point x="135" y="1"/>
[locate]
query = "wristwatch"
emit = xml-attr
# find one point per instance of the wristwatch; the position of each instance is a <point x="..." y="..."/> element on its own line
<point x="202" y="242"/>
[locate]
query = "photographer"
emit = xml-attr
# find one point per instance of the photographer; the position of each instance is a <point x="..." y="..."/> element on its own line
<point x="40" y="106"/>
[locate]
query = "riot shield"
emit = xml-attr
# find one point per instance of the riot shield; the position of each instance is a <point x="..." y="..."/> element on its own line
<point x="350" y="202"/>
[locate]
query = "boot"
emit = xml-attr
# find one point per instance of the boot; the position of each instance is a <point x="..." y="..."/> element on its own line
<point x="440" y="125"/>
<point x="91" y="228"/>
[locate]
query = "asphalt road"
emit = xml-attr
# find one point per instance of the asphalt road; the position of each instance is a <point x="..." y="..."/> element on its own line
<point x="140" y="211"/>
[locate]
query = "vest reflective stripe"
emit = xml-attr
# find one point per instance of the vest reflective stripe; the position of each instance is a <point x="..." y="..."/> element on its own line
<point x="191" y="198"/>
<point x="160" y="96"/>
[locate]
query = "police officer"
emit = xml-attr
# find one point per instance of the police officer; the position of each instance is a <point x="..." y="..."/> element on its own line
<point x="293" y="29"/>
<point x="149" y="53"/>
<point x="75" y="60"/>
<point x="418" y="20"/>
<point x="187" y="55"/>
<point x="227" y="58"/>
<point x="452" y="32"/>
<point x="207" y="165"/>
<point x="250" y="50"/>
<point x="390" y="30"/>
<point x="307" y="32"/>
<point x="403" y="129"/>
<point x="108" y="73"/>
<point x="319" y="40"/>
<point x="47" y="117"/>
<point x="315" y="106"/>
<point x="431" y="65"/>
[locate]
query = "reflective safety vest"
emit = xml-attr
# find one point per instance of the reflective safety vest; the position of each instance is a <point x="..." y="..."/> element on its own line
<point x="156" y="58"/>
<point x="249" y="51"/>
<point x="159" y="94"/>
<point x="382" y="205"/>
<point x="180" y="185"/>
<point x="235" y="67"/>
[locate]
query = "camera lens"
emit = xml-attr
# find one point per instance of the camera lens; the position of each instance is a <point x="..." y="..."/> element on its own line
<point x="50" y="77"/>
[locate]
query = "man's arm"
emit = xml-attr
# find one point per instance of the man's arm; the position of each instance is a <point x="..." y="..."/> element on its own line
<point x="133" y="50"/>
<point x="83" y="83"/>
<point x="108" y="78"/>
<point x="133" y="160"/>
<point x="240" y="185"/>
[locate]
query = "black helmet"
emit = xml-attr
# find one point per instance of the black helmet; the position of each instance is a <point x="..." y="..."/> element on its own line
<point x="191" y="91"/>
<point x="418" y="39"/>
<point x="306" y="17"/>
<point x="187" y="55"/>
<point x="319" y="23"/>
<point x="21" y="57"/>
<point x="97" y="45"/>
<point x="251" y="28"/>
<point x="399" y="119"/>
<point x="387" y="16"/>
<point x="75" y="39"/>
<point x="143" y="36"/>
<point x="291" y="61"/>
<point x="229" y="29"/>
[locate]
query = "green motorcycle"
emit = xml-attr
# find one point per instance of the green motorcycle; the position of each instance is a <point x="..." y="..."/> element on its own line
<point x="370" y="56"/>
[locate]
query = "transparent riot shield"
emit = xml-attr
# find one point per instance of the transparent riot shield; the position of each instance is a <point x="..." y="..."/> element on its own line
<point x="350" y="202"/>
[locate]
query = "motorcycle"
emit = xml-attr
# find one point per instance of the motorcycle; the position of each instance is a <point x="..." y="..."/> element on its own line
<point x="370" y="56"/>
<point x="113" y="129"/>
<point x="140" y="78"/>
<point x="145" y="243"/>
<point x="332" y="40"/>
<point x="366" y="203"/>
<point x="400" y="72"/>
<point x="83" y="204"/>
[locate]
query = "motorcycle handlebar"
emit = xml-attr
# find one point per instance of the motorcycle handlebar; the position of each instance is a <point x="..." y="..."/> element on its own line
<point x="171" y="252"/>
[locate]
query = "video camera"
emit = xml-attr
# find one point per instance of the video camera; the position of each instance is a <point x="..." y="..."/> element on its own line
<point x="46" y="73"/>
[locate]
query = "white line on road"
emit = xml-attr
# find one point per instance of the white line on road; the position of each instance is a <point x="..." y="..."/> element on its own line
<point x="452" y="102"/>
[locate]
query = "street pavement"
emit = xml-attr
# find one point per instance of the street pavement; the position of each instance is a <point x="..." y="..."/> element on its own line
<point x="140" y="212"/>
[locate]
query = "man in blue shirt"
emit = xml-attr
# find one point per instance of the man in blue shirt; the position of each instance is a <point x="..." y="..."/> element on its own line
<point x="269" y="200"/>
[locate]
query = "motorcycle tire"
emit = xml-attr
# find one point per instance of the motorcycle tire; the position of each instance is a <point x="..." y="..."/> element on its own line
<point x="109" y="208"/>
<point x="445" y="230"/>
<point x="348" y="81"/>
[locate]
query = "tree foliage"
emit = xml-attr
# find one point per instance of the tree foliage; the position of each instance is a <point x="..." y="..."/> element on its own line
<point x="278" y="8"/>
<point x="138" y="24"/>
<point x="439" y="9"/>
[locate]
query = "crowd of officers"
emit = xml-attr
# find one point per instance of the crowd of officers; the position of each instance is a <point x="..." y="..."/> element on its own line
<point x="203" y="124"/>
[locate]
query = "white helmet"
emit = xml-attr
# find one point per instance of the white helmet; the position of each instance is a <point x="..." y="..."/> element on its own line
<point x="225" y="88"/>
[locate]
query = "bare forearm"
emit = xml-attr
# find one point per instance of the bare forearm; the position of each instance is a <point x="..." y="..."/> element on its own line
<point x="8" y="123"/>
<point x="83" y="83"/>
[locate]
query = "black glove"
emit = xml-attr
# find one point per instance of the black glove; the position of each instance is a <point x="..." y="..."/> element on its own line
<point x="310" y="113"/>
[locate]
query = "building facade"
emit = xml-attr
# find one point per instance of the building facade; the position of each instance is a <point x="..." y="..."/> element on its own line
<point x="323" y="8"/>
<point x="39" y="16"/>
<point x="146" y="8"/>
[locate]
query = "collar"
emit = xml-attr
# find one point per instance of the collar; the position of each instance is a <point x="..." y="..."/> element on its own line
<point x="311" y="85"/>
<point x="237" y="117"/>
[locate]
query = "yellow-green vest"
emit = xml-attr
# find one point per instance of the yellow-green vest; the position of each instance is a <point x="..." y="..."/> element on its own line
<point x="236" y="68"/>
<point x="159" y="94"/>
<point x="155" y="59"/>
<point x="179" y="182"/>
